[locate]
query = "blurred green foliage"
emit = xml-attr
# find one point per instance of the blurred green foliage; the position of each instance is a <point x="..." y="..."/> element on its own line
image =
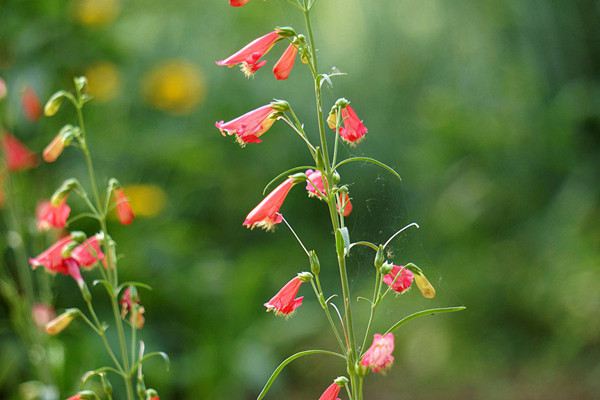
<point x="490" y="110"/>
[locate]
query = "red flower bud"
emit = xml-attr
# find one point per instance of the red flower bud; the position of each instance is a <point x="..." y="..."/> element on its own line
<point x="124" y="210"/>
<point x="284" y="65"/>
<point x="31" y="104"/>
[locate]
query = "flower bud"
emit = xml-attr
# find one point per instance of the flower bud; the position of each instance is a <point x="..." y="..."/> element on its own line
<point x="305" y="276"/>
<point x="84" y="395"/>
<point x="379" y="258"/>
<point x="54" y="102"/>
<point x="61" y="322"/>
<point x="315" y="265"/>
<point x="425" y="287"/>
<point x="63" y="191"/>
<point x="152" y="394"/>
<point x="57" y="145"/>
<point x="80" y="84"/>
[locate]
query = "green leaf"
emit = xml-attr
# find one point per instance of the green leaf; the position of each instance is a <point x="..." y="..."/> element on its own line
<point x="424" y="313"/>
<point x="133" y="283"/>
<point x="288" y="360"/>
<point x="371" y="161"/>
<point x="284" y="174"/>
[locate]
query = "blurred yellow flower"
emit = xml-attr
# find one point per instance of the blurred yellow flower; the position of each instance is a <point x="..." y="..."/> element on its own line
<point x="175" y="86"/>
<point x="96" y="12"/>
<point x="146" y="200"/>
<point x="104" y="80"/>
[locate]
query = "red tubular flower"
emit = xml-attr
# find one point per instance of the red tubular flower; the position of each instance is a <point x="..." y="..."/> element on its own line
<point x="124" y="210"/>
<point x="54" y="149"/>
<point x="249" y="56"/>
<point x="31" y="104"/>
<point x="52" y="258"/>
<point x="284" y="65"/>
<point x="331" y="393"/>
<point x="285" y="301"/>
<point x="379" y="356"/>
<point x="238" y="3"/>
<point x="50" y="216"/>
<point x="251" y="126"/>
<point x="266" y="214"/>
<point x="88" y="253"/>
<point x="352" y="130"/>
<point x="314" y="184"/>
<point x="85" y="255"/>
<point x="344" y="204"/>
<point x="18" y="156"/>
<point x="399" y="279"/>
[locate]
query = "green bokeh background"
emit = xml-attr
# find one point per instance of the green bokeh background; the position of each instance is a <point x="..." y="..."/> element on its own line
<point x="490" y="111"/>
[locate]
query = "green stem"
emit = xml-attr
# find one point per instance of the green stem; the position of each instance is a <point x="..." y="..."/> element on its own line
<point x="374" y="304"/>
<point x="331" y="202"/>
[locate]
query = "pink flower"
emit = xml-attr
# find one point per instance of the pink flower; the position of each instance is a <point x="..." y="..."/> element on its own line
<point x="352" y="130"/>
<point x="379" y="356"/>
<point x="331" y="393"/>
<point x="85" y="255"/>
<point x="285" y="301"/>
<point x="238" y="3"/>
<point x="3" y="89"/>
<point x="266" y="214"/>
<point x="127" y="306"/>
<point x="88" y="253"/>
<point x="314" y="184"/>
<point x="124" y="210"/>
<point x="249" y="56"/>
<point x="249" y="127"/>
<point x="42" y="314"/>
<point x="31" y="104"/>
<point x="50" y="216"/>
<point x="284" y="65"/>
<point x="399" y="279"/>
<point x="18" y="157"/>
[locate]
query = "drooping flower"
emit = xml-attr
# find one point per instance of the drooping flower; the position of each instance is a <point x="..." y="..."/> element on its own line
<point x="379" y="356"/>
<point x="32" y="107"/>
<point x="238" y="3"/>
<point x="249" y="57"/>
<point x="331" y="393"/>
<point x="85" y="255"/>
<point x="285" y="301"/>
<point x="344" y="205"/>
<point x="249" y="127"/>
<point x="127" y="304"/>
<point x="50" y="216"/>
<point x="314" y="184"/>
<point x="124" y="210"/>
<point x="88" y="253"/>
<point x="18" y="156"/>
<point x="352" y="129"/>
<point x="284" y="65"/>
<point x="266" y="214"/>
<point x="399" y="279"/>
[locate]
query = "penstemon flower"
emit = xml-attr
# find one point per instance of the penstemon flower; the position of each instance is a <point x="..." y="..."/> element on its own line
<point x="52" y="216"/>
<point x="249" y="127"/>
<point x="54" y="259"/>
<point x="379" y="356"/>
<point x="399" y="279"/>
<point x="124" y="210"/>
<point x="285" y="301"/>
<point x="238" y="3"/>
<point x="31" y="104"/>
<point x="353" y="130"/>
<point x="18" y="156"/>
<point x="266" y="214"/>
<point x="322" y="180"/>
<point x="285" y="64"/>
<point x="249" y="57"/>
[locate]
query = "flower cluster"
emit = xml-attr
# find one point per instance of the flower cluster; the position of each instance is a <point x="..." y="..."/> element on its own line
<point x="322" y="181"/>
